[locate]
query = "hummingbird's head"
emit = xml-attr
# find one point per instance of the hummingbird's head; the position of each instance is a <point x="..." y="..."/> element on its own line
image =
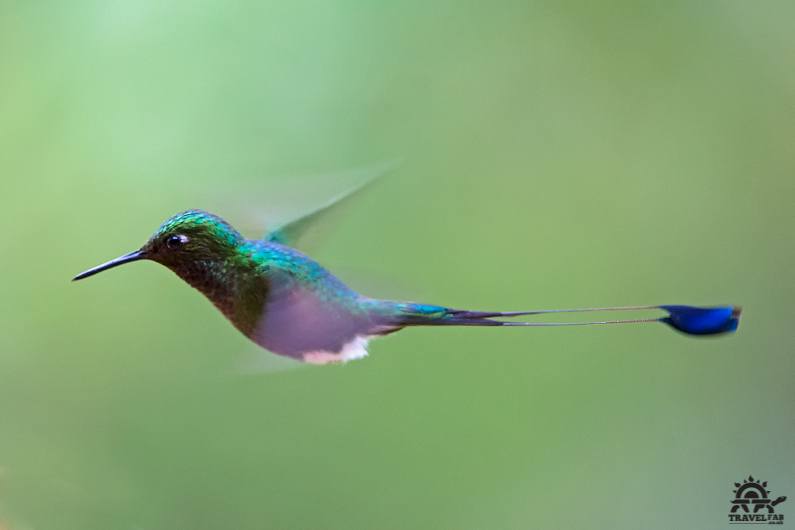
<point x="182" y="242"/>
<point x="191" y="236"/>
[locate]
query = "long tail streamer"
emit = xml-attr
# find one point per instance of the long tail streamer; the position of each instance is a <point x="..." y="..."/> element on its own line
<point x="690" y="320"/>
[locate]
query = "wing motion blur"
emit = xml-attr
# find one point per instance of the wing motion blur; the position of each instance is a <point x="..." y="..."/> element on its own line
<point x="297" y="231"/>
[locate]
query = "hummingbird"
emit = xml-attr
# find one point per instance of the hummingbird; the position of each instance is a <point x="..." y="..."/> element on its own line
<point x="289" y="304"/>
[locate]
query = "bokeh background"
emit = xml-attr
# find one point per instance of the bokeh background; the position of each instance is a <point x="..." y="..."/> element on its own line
<point x="553" y="156"/>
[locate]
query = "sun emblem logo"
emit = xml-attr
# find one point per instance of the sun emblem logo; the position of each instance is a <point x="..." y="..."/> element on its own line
<point x="753" y="494"/>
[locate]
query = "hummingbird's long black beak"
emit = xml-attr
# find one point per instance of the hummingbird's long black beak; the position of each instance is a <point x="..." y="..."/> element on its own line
<point x="121" y="260"/>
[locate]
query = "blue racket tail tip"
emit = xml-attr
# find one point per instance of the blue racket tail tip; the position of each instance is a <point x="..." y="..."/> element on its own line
<point x="693" y="320"/>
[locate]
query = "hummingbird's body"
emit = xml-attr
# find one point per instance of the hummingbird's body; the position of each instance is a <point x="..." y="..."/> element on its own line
<point x="289" y="304"/>
<point x="275" y="295"/>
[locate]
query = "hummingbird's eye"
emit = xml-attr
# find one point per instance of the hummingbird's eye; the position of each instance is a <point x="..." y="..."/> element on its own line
<point x="177" y="241"/>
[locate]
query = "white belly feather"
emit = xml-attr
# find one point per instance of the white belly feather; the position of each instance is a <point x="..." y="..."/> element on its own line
<point x="355" y="349"/>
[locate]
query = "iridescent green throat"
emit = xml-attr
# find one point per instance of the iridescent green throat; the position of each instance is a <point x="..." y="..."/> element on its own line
<point x="232" y="283"/>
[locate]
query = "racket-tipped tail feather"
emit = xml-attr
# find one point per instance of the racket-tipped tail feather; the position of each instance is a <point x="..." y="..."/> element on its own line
<point x="690" y="320"/>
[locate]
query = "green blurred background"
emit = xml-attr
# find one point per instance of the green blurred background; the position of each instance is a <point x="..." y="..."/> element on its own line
<point x="554" y="156"/>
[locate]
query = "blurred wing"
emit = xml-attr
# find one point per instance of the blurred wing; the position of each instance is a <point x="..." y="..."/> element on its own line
<point x="299" y="318"/>
<point x="298" y="231"/>
<point x="257" y="361"/>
